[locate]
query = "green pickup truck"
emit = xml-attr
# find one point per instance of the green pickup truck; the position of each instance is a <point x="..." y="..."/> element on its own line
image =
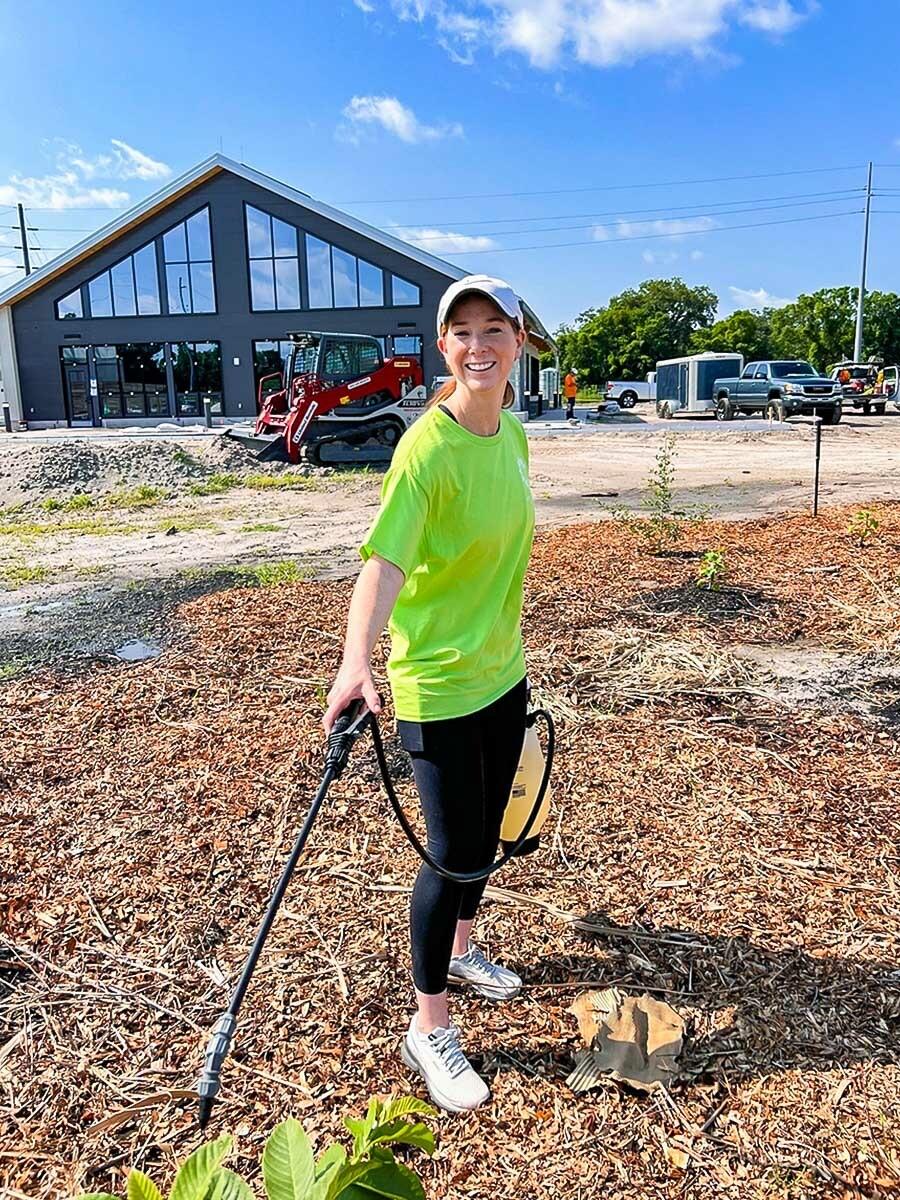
<point x="779" y="389"/>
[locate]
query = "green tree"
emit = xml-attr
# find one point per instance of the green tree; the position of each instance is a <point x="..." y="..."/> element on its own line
<point x="746" y="331"/>
<point x="818" y="327"/>
<point x="637" y="328"/>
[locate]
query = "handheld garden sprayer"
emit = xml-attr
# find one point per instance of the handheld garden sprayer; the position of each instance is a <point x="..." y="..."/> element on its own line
<point x="526" y="812"/>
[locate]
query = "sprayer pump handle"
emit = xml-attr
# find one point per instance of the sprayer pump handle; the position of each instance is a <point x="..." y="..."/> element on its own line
<point x="350" y="724"/>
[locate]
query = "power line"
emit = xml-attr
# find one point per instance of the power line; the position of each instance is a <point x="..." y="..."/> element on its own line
<point x="648" y="236"/>
<point x="842" y="193"/>
<point x="618" y="187"/>
<point x="610" y="224"/>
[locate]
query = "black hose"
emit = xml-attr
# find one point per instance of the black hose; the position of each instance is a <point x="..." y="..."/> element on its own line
<point x="485" y="872"/>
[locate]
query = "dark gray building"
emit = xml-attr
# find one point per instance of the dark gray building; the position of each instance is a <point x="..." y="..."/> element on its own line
<point x="191" y="293"/>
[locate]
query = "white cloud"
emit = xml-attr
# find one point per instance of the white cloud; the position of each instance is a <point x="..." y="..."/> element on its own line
<point x="757" y="298"/>
<point x="396" y="118"/>
<point x="134" y="164"/>
<point x="696" y="255"/>
<point x="364" y="6"/>
<point x="435" y="241"/>
<point x="674" y="227"/>
<point x="71" y="184"/>
<point x="60" y="191"/>
<point x="655" y="258"/>
<point x="775" y="16"/>
<point x="599" y="33"/>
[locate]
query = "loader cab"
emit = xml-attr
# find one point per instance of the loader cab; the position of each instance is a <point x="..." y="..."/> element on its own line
<point x="347" y="358"/>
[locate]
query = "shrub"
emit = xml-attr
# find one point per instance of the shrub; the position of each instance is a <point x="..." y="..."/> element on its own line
<point x="711" y="570"/>
<point x="863" y="526"/>
<point x="291" y="1171"/>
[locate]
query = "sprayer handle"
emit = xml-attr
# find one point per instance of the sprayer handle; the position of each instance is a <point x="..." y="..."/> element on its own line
<point x="353" y="721"/>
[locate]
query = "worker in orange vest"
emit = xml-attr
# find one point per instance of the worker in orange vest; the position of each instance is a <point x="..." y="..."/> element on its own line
<point x="570" y="386"/>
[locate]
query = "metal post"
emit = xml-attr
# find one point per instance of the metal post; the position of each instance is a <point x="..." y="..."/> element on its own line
<point x="818" y="421"/>
<point x="858" y="339"/>
<point x="24" y="235"/>
<point x="7" y="418"/>
<point x="207" y="411"/>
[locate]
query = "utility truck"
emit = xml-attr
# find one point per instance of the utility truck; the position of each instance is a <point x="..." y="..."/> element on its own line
<point x="686" y="385"/>
<point x="779" y="388"/>
<point x="860" y="385"/>
<point x="627" y="392"/>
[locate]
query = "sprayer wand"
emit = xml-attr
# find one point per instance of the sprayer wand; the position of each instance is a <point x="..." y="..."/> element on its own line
<point x="346" y="730"/>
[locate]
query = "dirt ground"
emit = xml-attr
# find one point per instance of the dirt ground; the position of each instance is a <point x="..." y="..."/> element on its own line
<point x="723" y="837"/>
<point x="84" y="581"/>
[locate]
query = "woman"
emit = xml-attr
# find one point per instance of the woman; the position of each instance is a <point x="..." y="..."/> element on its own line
<point x="445" y="560"/>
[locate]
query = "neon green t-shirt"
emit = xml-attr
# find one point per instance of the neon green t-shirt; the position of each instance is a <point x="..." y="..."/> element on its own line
<point x="457" y="518"/>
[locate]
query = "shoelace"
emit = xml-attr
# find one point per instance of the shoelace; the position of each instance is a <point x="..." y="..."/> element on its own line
<point x="477" y="959"/>
<point x="446" y="1046"/>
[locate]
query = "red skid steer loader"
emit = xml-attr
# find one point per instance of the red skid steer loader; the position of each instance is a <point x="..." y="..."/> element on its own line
<point x="338" y="401"/>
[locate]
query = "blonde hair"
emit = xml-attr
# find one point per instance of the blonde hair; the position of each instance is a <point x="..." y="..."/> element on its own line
<point x="448" y="387"/>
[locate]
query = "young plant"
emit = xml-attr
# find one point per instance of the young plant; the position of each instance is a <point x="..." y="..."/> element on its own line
<point x="662" y="526"/>
<point x="711" y="570"/>
<point x="863" y="526"/>
<point x="292" y="1172"/>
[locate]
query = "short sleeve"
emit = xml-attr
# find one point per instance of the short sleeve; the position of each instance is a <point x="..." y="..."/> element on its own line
<point x="398" y="529"/>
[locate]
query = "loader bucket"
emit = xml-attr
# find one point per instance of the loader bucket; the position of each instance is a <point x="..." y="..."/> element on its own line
<point x="266" y="447"/>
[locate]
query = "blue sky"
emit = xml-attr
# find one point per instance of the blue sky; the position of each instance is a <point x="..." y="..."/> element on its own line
<point x="408" y="112"/>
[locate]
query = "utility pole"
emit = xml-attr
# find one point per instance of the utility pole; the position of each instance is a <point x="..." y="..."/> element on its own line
<point x="858" y="340"/>
<point x="24" y="235"/>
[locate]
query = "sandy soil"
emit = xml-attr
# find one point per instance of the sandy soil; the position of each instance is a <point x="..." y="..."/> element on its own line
<point x="186" y="544"/>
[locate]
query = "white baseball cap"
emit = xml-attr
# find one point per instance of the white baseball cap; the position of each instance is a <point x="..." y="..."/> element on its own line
<point x="484" y="285"/>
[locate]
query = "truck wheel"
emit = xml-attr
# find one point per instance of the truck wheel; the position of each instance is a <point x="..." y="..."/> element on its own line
<point x="774" y="411"/>
<point x="867" y="408"/>
<point x="879" y="409"/>
<point x="628" y="399"/>
<point x="832" y="416"/>
<point x="724" y="409"/>
<point x="664" y="411"/>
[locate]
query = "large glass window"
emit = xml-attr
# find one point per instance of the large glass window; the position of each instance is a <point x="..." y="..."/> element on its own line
<point x="318" y="266"/>
<point x="346" y="288"/>
<point x="100" y="296"/>
<point x="371" y="285"/>
<point x="403" y="292"/>
<point x="407" y="345"/>
<point x="269" y="360"/>
<point x="69" y="306"/>
<point x="274" y="262"/>
<point x="129" y="288"/>
<point x="131" y="379"/>
<point x="190" y="280"/>
<point x="197" y="371"/>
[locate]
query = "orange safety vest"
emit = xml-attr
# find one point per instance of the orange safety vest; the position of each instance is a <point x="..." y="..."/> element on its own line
<point x="571" y="386"/>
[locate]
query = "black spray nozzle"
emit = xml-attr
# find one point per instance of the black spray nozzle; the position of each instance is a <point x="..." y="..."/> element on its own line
<point x="216" y="1050"/>
<point x="350" y="724"/>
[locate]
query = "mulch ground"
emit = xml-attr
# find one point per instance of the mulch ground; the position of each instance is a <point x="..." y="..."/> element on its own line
<point x="708" y="845"/>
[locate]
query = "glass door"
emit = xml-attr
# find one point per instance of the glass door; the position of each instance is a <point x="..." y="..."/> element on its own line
<point x="77" y="385"/>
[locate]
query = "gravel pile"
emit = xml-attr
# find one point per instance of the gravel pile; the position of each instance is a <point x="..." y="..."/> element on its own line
<point x="64" y="469"/>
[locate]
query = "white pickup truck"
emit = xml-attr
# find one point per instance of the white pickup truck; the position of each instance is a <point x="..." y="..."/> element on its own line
<point x="628" y="392"/>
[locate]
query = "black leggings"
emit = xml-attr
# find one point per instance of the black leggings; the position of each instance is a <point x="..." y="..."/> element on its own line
<point x="464" y="769"/>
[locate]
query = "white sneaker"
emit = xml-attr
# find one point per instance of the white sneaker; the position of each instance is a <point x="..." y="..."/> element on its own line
<point x="437" y="1056"/>
<point x="487" y="978"/>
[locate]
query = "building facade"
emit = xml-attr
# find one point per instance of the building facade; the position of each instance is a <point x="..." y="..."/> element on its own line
<point x="190" y="296"/>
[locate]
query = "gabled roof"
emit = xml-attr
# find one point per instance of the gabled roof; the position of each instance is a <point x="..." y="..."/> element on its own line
<point x="191" y="179"/>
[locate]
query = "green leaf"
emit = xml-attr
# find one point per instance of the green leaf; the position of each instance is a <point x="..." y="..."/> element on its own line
<point x="196" y="1172"/>
<point x="388" y="1181"/>
<point x="360" y="1131"/>
<point x="227" y="1185"/>
<point x="410" y="1133"/>
<point x="141" y="1186"/>
<point x="335" y="1154"/>
<point x="288" y="1165"/>
<point x="404" y="1105"/>
<point x="346" y="1175"/>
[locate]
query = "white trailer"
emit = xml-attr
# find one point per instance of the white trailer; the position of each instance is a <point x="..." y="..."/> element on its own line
<point x="685" y="385"/>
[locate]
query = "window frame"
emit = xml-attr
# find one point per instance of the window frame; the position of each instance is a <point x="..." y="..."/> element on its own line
<point x="164" y="291"/>
<point x="272" y="258"/>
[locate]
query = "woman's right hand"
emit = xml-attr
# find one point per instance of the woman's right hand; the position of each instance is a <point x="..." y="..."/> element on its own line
<point x="353" y="682"/>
